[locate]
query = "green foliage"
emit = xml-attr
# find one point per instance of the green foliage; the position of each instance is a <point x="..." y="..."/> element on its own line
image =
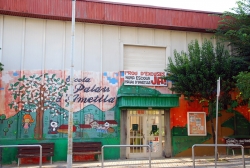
<point x="154" y="132"/>
<point x="235" y="28"/>
<point x="1" y="67"/>
<point x="194" y="74"/>
<point x="31" y="93"/>
<point x="243" y="84"/>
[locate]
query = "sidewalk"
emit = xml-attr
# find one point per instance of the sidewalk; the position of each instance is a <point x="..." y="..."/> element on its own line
<point x="200" y="162"/>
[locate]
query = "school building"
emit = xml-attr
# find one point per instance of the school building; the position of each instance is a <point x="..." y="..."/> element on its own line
<point x="121" y="51"/>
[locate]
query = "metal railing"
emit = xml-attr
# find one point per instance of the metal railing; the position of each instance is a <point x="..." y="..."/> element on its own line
<point x="0" y="157"/>
<point x="213" y="145"/>
<point x="110" y="146"/>
<point x="11" y="146"/>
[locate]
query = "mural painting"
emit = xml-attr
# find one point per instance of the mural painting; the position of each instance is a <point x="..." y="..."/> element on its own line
<point x="182" y="143"/>
<point x="36" y="105"/>
<point x="27" y="120"/>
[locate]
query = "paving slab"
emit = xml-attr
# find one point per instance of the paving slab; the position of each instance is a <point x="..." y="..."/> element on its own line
<point x="175" y="162"/>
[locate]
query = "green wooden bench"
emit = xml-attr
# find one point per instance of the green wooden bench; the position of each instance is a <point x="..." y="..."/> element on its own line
<point x="27" y="152"/>
<point x="87" y="148"/>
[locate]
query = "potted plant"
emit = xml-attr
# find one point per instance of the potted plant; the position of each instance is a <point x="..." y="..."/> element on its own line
<point x="155" y="133"/>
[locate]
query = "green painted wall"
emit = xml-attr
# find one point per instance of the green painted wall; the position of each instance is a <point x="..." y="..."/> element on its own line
<point x="14" y="134"/>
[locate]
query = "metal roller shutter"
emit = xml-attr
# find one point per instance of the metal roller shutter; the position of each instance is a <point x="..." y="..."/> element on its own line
<point x="144" y="58"/>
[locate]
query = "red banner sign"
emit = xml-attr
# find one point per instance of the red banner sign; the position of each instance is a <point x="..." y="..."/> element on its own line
<point x="144" y="78"/>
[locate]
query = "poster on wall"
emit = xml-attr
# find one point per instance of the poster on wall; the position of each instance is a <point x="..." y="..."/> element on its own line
<point x="144" y="78"/>
<point x="197" y="124"/>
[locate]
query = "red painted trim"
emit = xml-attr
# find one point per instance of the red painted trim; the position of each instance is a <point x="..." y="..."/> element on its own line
<point x="103" y="12"/>
<point x="150" y="6"/>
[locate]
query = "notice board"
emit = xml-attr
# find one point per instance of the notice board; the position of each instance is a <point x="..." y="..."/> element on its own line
<point x="197" y="124"/>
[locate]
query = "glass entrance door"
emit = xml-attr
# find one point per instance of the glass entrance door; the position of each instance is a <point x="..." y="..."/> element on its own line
<point x="145" y="128"/>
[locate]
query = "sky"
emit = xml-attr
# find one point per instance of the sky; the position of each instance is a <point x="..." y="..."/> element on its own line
<point x="201" y="5"/>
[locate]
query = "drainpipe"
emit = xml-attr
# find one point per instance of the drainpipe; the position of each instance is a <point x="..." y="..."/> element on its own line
<point x="70" y="121"/>
<point x="216" y="127"/>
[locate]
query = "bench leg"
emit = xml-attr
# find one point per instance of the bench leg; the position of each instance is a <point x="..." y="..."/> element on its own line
<point x="99" y="158"/>
<point x="50" y="159"/>
<point x="18" y="162"/>
<point x="233" y="151"/>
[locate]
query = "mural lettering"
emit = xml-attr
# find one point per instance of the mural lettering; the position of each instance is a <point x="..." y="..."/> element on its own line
<point x="85" y="79"/>
<point x="80" y="87"/>
<point x="79" y="99"/>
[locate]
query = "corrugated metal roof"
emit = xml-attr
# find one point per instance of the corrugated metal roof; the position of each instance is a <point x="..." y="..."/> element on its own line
<point x="103" y="12"/>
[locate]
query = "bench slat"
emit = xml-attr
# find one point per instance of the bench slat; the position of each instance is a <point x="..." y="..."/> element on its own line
<point x="237" y="147"/>
<point x="86" y="153"/>
<point x="86" y="148"/>
<point x="47" y="150"/>
<point x="34" y="149"/>
<point x="32" y="155"/>
<point x="27" y="152"/>
<point x="35" y="153"/>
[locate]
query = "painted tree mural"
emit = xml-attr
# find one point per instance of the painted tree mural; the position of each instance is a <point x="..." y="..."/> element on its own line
<point x="5" y="130"/>
<point x="2" y="117"/>
<point x="38" y="93"/>
<point x="9" y="122"/>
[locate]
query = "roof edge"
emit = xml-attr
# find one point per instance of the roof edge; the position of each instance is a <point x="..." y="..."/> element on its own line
<point x="152" y="6"/>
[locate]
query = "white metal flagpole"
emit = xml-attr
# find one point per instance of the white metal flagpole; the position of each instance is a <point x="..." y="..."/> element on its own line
<point x="70" y="119"/>
<point x="216" y="127"/>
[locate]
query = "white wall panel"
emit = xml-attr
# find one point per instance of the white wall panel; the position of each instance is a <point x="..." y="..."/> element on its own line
<point x="78" y="60"/>
<point x="178" y="41"/>
<point x="1" y="36"/>
<point x="93" y="51"/>
<point x="145" y="36"/>
<point x="192" y="36"/>
<point x="78" y="57"/>
<point x="110" y="48"/>
<point x="129" y="35"/>
<point x="207" y="36"/>
<point x="228" y="47"/>
<point x="54" y="45"/>
<point x="33" y="46"/>
<point x="67" y="46"/>
<point x="210" y="36"/>
<point x="161" y="37"/>
<point x="12" y="42"/>
<point x="29" y="43"/>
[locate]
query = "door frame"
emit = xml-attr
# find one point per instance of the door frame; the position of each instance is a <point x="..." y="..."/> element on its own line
<point x="167" y="151"/>
<point x="145" y="136"/>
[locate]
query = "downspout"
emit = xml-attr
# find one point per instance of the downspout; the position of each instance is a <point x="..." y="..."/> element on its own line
<point x="70" y="120"/>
